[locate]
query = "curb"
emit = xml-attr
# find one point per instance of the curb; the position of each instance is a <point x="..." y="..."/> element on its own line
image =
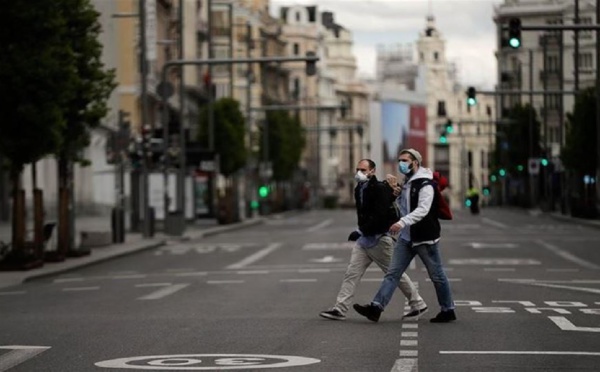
<point x="92" y="261"/>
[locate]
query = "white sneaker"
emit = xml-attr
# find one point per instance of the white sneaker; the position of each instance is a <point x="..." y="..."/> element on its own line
<point x="415" y="314"/>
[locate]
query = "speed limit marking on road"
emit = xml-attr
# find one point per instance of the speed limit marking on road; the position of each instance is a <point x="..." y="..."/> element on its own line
<point x="206" y="362"/>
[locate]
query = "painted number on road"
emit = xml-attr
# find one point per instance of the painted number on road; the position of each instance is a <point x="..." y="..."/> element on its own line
<point x="18" y="354"/>
<point x="206" y="362"/>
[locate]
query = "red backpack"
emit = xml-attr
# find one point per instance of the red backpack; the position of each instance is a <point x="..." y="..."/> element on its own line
<point x="444" y="212"/>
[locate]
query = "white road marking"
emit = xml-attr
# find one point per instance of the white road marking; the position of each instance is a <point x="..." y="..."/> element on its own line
<point x="449" y="279"/>
<point x="494" y="261"/>
<point x="298" y="280"/>
<point x="308" y="271"/>
<point x="18" y="355"/>
<point x="497" y="224"/>
<point x="12" y="293"/>
<point x="224" y="281"/>
<point x="476" y="245"/>
<point x="320" y="246"/>
<point x="152" y="285"/>
<point x="409" y="353"/>
<point x="410" y="325"/>
<point x="566" y="325"/>
<point x="248" y="272"/>
<point x="563" y="270"/>
<point x="323" y="224"/>
<point x="567" y="255"/>
<point x="67" y="280"/>
<point x="521" y="352"/>
<point x="74" y="289"/>
<point x="164" y="292"/>
<point x="409" y="342"/>
<point x="195" y="273"/>
<point x="405" y="365"/>
<point x="409" y="334"/>
<point x="499" y="269"/>
<point x="131" y="276"/>
<point x="182" y="270"/>
<point x="580" y="289"/>
<point x="326" y="259"/>
<point x="255" y="257"/>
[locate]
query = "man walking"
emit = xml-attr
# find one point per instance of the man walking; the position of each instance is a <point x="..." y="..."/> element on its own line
<point x="373" y="243"/>
<point x="419" y="235"/>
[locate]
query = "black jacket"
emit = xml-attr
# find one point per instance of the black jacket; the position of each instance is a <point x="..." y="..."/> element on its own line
<point x="373" y="212"/>
<point x="428" y="229"/>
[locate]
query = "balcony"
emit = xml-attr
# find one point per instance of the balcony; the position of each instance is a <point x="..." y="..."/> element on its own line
<point x="551" y="40"/>
<point x="549" y="74"/>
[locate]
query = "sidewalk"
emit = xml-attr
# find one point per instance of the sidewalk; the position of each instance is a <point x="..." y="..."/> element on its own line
<point x="134" y="242"/>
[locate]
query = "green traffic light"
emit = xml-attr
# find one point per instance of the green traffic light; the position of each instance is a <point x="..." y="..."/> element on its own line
<point x="443" y="139"/>
<point x="502" y="172"/>
<point x="471" y="101"/>
<point x="514" y="42"/>
<point x="544" y="162"/>
<point x="486" y="191"/>
<point x="263" y="191"/>
<point x="449" y="128"/>
<point x="468" y="203"/>
<point x="493" y="178"/>
<point x="520" y="168"/>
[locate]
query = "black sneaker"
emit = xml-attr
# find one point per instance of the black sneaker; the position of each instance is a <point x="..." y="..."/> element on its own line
<point x="415" y="314"/>
<point x="444" y="317"/>
<point x="334" y="314"/>
<point x="370" y="311"/>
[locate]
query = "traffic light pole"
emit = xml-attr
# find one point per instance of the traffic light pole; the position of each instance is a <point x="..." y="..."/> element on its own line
<point x="310" y="60"/>
<point x="146" y="228"/>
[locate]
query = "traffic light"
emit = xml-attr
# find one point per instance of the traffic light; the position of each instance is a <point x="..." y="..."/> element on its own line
<point x="493" y="178"/>
<point x="449" y="127"/>
<point x="514" y="33"/>
<point x="520" y="168"/>
<point x="502" y="172"/>
<point x="263" y="191"/>
<point x="471" y="96"/>
<point x="486" y="191"/>
<point x="311" y="65"/>
<point x="544" y="162"/>
<point x="446" y="130"/>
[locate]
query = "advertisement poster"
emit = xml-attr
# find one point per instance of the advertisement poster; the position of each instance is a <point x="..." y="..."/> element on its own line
<point x="395" y="121"/>
<point x="417" y="133"/>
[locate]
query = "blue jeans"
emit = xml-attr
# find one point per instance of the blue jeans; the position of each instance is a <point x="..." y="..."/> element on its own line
<point x="403" y="254"/>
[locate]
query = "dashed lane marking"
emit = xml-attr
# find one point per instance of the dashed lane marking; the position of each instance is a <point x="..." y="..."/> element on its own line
<point x="80" y="289"/>
<point x="164" y="292"/>
<point x="255" y="257"/>
<point x="12" y="293"/>
<point x="320" y="226"/>
<point x="298" y="280"/>
<point x="567" y="255"/>
<point x="225" y="281"/>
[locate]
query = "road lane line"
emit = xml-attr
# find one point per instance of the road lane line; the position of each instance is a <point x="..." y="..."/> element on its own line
<point x="499" y="269"/>
<point x="74" y="289"/>
<point x="255" y="257"/>
<point x="12" y="293"/>
<point x="225" y="281"/>
<point x="67" y="280"/>
<point x="250" y="272"/>
<point x="18" y="355"/>
<point x="497" y="224"/>
<point x="323" y="224"/>
<point x="131" y="276"/>
<point x="567" y="255"/>
<point x="195" y="273"/>
<point x="520" y="352"/>
<point x="164" y="292"/>
<point x="298" y="280"/>
<point x="152" y="285"/>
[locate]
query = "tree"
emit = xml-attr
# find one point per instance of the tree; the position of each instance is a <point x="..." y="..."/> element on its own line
<point x="286" y="140"/>
<point x="229" y="127"/>
<point x="515" y="138"/>
<point x="580" y="142"/>
<point x="87" y="105"/>
<point x="37" y="75"/>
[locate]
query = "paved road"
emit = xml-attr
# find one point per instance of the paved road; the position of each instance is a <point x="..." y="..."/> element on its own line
<point x="526" y="290"/>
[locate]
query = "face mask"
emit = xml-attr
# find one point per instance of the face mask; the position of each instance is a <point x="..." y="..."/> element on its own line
<point x="360" y="177"/>
<point x="404" y="168"/>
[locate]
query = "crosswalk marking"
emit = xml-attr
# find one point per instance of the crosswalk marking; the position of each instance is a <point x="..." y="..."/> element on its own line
<point x="164" y="292"/>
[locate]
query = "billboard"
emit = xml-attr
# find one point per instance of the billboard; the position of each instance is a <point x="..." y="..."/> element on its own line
<point x="402" y="126"/>
<point x="395" y="123"/>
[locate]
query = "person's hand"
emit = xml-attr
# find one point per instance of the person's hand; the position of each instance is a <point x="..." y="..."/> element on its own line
<point x="391" y="180"/>
<point x="354" y="235"/>
<point x="395" y="228"/>
<point x="396" y="190"/>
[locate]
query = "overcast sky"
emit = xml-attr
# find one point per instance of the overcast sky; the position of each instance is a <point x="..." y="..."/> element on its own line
<point x="466" y="25"/>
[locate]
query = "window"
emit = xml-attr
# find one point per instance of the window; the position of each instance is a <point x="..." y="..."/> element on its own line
<point x="585" y="60"/>
<point x="552" y="63"/>
<point x="296" y="49"/>
<point x="587" y="34"/>
<point x="435" y="56"/>
<point x="297" y="16"/>
<point x="441" y="110"/>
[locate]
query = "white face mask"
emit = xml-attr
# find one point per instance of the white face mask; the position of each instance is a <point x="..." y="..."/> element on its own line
<point x="360" y="177"/>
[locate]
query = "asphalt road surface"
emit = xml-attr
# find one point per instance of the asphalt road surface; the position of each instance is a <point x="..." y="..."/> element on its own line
<point x="526" y="289"/>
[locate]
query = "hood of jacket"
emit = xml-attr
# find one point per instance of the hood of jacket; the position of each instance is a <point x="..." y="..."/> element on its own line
<point x="421" y="173"/>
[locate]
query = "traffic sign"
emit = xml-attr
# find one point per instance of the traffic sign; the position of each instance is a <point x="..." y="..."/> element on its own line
<point x="533" y="166"/>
